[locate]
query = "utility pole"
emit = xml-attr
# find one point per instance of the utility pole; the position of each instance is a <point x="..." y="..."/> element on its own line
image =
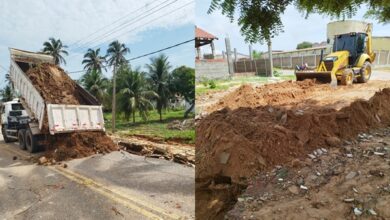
<point x="113" y="99"/>
<point x="271" y="63"/>
<point x="229" y="57"/>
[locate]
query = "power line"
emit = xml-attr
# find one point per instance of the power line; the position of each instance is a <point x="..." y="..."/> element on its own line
<point x="167" y="48"/>
<point x="147" y="54"/>
<point x="119" y="19"/>
<point x="149" y="22"/>
<point x="127" y="23"/>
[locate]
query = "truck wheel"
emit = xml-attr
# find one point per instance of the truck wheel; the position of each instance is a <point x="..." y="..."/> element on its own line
<point x="6" y="139"/>
<point x="22" y="139"/>
<point x="31" y="142"/>
<point x="365" y="73"/>
<point x="347" y="77"/>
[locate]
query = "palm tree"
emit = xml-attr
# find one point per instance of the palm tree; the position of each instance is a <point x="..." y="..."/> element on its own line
<point x="116" y="53"/>
<point x="95" y="83"/>
<point x="6" y="94"/>
<point x="134" y="95"/>
<point x="159" y="77"/>
<point x="93" y="61"/>
<point x="56" y="49"/>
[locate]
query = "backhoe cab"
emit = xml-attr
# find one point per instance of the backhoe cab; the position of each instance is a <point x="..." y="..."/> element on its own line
<point x="349" y="62"/>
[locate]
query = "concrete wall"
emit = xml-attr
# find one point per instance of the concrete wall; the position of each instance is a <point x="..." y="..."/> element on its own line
<point x="381" y="43"/>
<point x="211" y="69"/>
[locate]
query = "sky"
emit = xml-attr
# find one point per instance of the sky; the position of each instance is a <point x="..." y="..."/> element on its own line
<point x="143" y="25"/>
<point x="296" y="28"/>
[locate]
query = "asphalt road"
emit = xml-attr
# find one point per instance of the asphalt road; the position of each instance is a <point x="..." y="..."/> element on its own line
<point x="112" y="186"/>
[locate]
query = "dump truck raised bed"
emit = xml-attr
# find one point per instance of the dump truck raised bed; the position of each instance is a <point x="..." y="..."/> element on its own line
<point x="24" y="119"/>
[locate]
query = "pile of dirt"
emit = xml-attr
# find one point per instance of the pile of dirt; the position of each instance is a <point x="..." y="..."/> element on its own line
<point x="270" y="94"/>
<point x="54" y="85"/>
<point x="63" y="147"/>
<point x="238" y="143"/>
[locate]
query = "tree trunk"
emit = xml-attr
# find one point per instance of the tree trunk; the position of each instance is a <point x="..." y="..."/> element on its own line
<point x="113" y="99"/>
<point x="189" y="110"/>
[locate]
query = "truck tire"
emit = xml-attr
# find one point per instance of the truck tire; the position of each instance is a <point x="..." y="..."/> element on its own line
<point x="6" y="139"/>
<point x="347" y="77"/>
<point x="22" y="139"/>
<point x="365" y="73"/>
<point x="31" y="142"/>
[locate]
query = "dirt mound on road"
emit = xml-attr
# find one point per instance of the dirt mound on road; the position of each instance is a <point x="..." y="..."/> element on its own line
<point x="76" y="145"/>
<point x="54" y="85"/>
<point x="270" y="94"/>
<point x="237" y="143"/>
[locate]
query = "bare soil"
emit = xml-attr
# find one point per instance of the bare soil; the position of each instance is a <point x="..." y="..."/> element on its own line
<point x="54" y="85"/>
<point x="254" y="129"/>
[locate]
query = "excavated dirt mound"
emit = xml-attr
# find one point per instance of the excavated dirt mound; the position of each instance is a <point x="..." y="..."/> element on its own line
<point x="270" y="94"/>
<point x="54" y="85"/>
<point x="81" y="144"/>
<point x="237" y="143"/>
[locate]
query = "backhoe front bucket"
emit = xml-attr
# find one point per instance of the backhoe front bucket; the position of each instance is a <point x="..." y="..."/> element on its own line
<point x="324" y="77"/>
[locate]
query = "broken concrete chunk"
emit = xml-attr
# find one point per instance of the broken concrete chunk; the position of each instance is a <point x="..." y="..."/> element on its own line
<point x="224" y="157"/>
<point x="42" y="160"/>
<point x="293" y="189"/>
<point x="351" y="175"/>
<point x="357" y="211"/>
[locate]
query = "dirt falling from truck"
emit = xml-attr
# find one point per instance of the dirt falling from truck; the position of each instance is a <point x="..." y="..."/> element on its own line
<point x="56" y="87"/>
<point x="233" y="145"/>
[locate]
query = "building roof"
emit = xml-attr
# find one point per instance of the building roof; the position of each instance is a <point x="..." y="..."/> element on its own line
<point x="204" y="35"/>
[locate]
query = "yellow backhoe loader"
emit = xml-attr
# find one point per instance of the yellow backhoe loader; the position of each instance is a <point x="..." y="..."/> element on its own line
<point x="350" y="60"/>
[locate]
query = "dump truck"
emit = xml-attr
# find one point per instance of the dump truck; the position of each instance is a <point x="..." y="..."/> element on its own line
<point x="350" y="58"/>
<point x="22" y="119"/>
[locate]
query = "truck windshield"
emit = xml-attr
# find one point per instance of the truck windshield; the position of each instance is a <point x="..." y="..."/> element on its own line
<point x="17" y="106"/>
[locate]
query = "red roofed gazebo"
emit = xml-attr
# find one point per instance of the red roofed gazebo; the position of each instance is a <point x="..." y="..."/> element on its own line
<point x="203" y="38"/>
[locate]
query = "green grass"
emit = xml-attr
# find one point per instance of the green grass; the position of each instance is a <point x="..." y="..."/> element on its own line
<point x="153" y="127"/>
<point x="238" y="80"/>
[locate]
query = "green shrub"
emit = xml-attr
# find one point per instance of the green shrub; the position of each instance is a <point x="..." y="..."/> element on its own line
<point x="212" y="84"/>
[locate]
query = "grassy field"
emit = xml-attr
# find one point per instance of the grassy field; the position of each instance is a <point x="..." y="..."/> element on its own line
<point x="238" y="80"/>
<point x="153" y="127"/>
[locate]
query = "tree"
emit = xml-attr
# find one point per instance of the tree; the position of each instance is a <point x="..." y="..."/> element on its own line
<point x="134" y="95"/>
<point x="55" y="48"/>
<point x="260" y="20"/>
<point x="304" y="44"/>
<point x="93" y="60"/>
<point x="95" y="83"/>
<point x="116" y="53"/>
<point x="159" y="76"/>
<point x="257" y="54"/>
<point x="6" y="94"/>
<point x="183" y="83"/>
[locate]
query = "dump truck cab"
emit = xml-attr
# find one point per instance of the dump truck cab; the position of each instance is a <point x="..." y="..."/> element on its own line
<point x="13" y="118"/>
<point x="350" y="59"/>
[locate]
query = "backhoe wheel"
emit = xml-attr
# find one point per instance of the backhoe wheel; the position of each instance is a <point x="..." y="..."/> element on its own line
<point x="22" y="139"/>
<point x="365" y="73"/>
<point x="31" y="142"/>
<point x="347" y="77"/>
